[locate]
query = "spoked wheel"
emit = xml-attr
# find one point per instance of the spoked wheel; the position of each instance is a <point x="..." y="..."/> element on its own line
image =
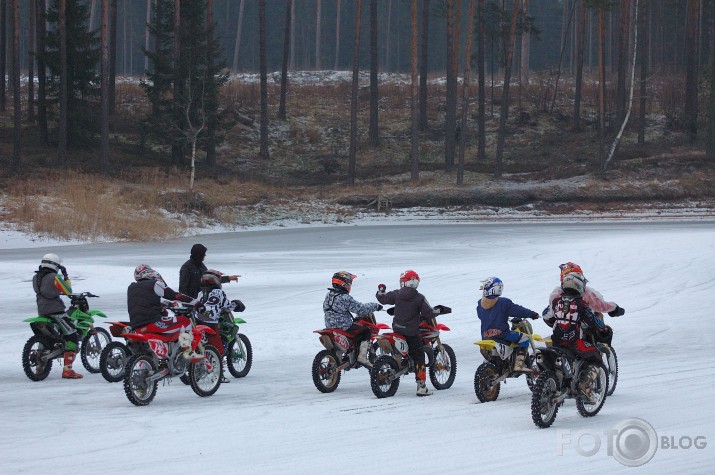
<point x="382" y="377"/>
<point x="589" y="405"/>
<point x="239" y="356"/>
<point x="544" y="406"/>
<point x="92" y="346"/>
<point x="205" y="375"/>
<point x="113" y="360"/>
<point x="326" y="376"/>
<point x="33" y="364"/>
<point x="443" y="369"/>
<point x="139" y="390"/>
<point x="484" y="386"/>
<point x="533" y="376"/>
<point x="611" y="362"/>
<point x="374" y="353"/>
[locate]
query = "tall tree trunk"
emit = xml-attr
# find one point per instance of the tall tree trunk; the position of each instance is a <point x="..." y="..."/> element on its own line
<point x="31" y="64"/>
<point x="113" y="57"/>
<point x="623" y="35"/>
<point x="504" y="109"/>
<point x="3" y="54"/>
<point x="601" y="84"/>
<point x="92" y="9"/>
<point x="710" y="137"/>
<point x="481" y="124"/>
<point x="17" y="110"/>
<point x="40" y="16"/>
<point x="450" y="119"/>
<point x="125" y="43"/>
<point x="691" y="68"/>
<point x="424" y="46"/>
<point x="525" y="46"/>
<point x="465" y="93"/>
<point x="292" y="38"/>
<point x="352" y="158"/>
<point x="62" y="140"/>
<point x="318" y="35"/>
<point x="388" y="30"/>
<point x="374" y="131"/>
<point x="177" y="153"/>
<point x="337" y="36"/>
<point x="644" y="58"/>
<point x="239" y="27"/>
<point x="147" y="35"/>
<point x="264" y="78"/>
<point x="211" y="120"/>
<point x="580" y="32"/>
<point x="104" y="81"/>
<point x="284" y="66"/>
<point x="415" y="137"/>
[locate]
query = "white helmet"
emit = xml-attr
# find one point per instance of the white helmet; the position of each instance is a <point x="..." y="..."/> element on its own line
<point x="574" y="283"/>
<point x="492" y="287"/>
<point x="51" y="261"/>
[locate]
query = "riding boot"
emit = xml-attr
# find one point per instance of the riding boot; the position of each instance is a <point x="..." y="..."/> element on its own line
<point x="519" y="362"/>
<point x="67" y="371"/>
<point x="422" y="389"/>
<point x="362" y="354"/>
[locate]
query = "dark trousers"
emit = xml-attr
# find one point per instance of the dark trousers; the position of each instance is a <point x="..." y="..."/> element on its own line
<point x="361" y="332"/>
<point x="417" y="354"/>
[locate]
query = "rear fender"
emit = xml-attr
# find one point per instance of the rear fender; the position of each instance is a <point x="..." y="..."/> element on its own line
<point x="205" y="329"/>
<point x="326" y="342"/>
<point x="486" y="344"/>
<point x="140" y="337"/>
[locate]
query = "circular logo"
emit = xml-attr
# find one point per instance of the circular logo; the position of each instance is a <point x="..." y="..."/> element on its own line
<point x="635" y="442"/>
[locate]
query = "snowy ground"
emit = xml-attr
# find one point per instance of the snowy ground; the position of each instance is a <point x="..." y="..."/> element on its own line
<point x="275" y="421"/>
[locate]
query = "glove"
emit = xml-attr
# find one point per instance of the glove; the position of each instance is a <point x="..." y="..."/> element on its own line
<point x="66" y="277"/>
<point x="199" y="307"/>
<point x="617" y="312"/>
<point x="534" y="316"/>
<point x="238" y="306"/>
<point x="233" y="277"/>
<point x="381" y="288"/>
<point x="516" y="321"/>
<point x="379" y="307"/>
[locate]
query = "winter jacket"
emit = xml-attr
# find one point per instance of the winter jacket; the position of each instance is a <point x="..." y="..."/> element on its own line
<point x="568" y="316"/>
<point x="592" y="298"/>
<point x="495" y="320"/>
<point x="144" y="301"/>
<point x="338" y="305"/>
<point x="49" y="285"/>
<point x="190" y="277"/>
<point x="410" y="308"/>
<point x="215" y="303"/>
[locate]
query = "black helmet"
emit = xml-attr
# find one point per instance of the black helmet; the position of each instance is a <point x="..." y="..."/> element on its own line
<point x="343" y="280"/>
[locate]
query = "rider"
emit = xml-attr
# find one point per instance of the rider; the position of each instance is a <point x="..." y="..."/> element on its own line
<point x="216" y="306"/>
<point x="339" y="304"/>
<point x="49" y="284"/>
<point x="410" y="308"/>
<point x="192" y="270"/>
<point x="146" y="313"/>
<point x="494" y="312"/>
<point x="591" y="296"/>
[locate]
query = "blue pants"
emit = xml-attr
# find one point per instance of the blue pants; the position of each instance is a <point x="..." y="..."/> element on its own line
<point x="520" y="339"/>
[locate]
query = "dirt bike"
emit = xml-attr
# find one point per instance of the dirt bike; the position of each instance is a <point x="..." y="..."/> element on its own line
<point x="161" y="356"/>
<point x="47" y="343"/>
<point x="566" y="376"/>
<point x="340" y="353"/>
<point x="499" y="364"/>
<point x="395" y="360"/>
<point x="112" y="361"/>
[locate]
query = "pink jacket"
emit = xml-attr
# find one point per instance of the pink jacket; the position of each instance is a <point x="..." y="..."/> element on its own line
<point x="592" y="297"/>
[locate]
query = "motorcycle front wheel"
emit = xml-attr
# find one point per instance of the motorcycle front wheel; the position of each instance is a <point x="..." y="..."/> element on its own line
<point x="611" y="362"/>
<point x="544" y="406"/>
<point x="590" y="406"/>
<point x="112" y="361"/>
<point x="32" y="363"/>
<point x="239" y="356"/>
<point x="139" y="390"/>
<point x="382" y="377"/>
<point x="91" y="350"/>
<point x="484" y="386"/>
<point x="443" y="369"/>
<point x="326" y="376"/>
<point x="205" y="375"/>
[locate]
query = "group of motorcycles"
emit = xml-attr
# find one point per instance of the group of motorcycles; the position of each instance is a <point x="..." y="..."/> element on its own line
<point x="142" y="359"/>
<point x="552" y="374"/>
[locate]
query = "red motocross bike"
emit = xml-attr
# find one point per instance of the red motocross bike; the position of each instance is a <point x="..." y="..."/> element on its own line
<point x="340" y="353"/>
<point x="158" y="356"/>
<point x="395" y="360"/>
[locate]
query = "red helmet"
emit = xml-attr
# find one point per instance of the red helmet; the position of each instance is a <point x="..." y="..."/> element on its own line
<point x="343" y="280"/>
<point x="409" y="278"/>
<point x="568" y="268"/>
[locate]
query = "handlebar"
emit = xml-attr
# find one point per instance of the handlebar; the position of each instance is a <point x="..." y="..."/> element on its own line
<point x="83" y="294"/>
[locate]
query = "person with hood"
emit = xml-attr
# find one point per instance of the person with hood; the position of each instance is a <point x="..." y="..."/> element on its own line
<point x="50" y="282"/>
<point x="410" y="308"/>
<point x="192" y="270"/>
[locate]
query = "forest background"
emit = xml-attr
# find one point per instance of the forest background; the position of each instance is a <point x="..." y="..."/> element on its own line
<point x="113" y="122"/>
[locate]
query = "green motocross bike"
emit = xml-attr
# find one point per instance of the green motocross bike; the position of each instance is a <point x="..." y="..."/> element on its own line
<point x="237" y="347"/>
<point x="47" y="344"/>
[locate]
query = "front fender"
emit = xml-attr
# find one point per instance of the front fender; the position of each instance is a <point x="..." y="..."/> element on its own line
<point x="97" y="313"/>
<point x="238" y="320"/>
<point x="38" y="320"/>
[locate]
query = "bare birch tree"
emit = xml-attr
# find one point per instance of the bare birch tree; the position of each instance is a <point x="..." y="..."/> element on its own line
<point x="239" y="27"/>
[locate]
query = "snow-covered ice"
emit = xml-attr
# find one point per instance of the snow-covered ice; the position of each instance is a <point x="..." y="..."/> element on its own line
<point x="275" y="421"/>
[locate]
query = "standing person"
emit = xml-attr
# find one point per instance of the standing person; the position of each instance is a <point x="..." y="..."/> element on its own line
<point x="49" y="285"/>
<point x="192" y="270"/>
<point x="216" y="306"/>
<point x="494" y="312"/>
<point x="410" y="308"/>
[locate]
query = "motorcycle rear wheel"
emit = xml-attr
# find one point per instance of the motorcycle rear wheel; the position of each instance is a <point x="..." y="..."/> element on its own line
<point x="326" y="376"/>
<point x="205" y="376"/>
<point x="443" y="369"/>
<point x="382" y="377"/>
<point x="32" y="363"/>
<point x="544" y="408"/>
<point x="91" y="350"/>
<point x="239" y="356"/>
<point x="483" y="379"/>
<point x="112" y="362"/>
<point x="584" y="406"/>
<point x="611" y="362"/>
<point x="139" y="391"/>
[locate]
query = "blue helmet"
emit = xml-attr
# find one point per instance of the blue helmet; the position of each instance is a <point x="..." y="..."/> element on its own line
<point x="492" y="287"/>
